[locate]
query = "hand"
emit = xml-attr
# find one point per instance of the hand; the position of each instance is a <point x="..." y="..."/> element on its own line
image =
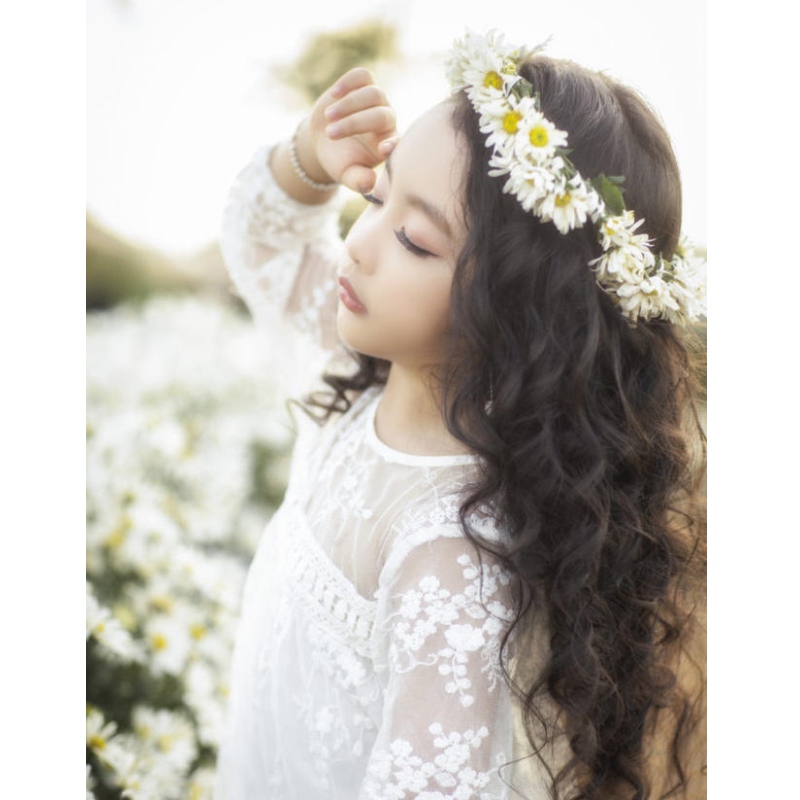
<point x="351" y="130"/>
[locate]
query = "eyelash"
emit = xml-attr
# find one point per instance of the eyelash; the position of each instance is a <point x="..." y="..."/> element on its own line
<point x="409" y="245"/>
<point x="401" y="234"/>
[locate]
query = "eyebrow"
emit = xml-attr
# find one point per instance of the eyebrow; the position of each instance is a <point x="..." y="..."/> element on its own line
<point x="414" y="200"/>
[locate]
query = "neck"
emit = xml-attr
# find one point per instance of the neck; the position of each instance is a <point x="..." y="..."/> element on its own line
<point x="409" y="416"/>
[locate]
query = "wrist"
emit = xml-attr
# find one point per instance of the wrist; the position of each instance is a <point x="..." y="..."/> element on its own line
<point x="305" y="163"/>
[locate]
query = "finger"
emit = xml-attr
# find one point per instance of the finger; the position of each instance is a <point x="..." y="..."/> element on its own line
<point x="380" y="121"/>
<point x="358" y="100"/>
<point x="351" y="80"/>
<point x="387" y="145"/>
<point x="359" y="178"/>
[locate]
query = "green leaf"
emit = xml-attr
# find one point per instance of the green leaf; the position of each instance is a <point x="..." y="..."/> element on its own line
<point x="609" y="188"/>
<point x="522" y="89"/>
<point x="569" y="170"/>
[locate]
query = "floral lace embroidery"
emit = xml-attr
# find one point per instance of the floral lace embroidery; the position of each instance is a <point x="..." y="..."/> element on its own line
<point x="269" y="216"/>
<point x="397" y="770"/>
<point x="318" y="706"/>
<point x="308" y="316"/>
<point x="347" y="672"/>
<point x="467" y="621"/>
<point x="327" y="736"/>
<point x="328" y="597"/>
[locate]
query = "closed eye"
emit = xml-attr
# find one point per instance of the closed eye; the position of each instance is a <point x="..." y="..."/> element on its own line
<point x="401" y="234"/>
<point x="409" y="245"/>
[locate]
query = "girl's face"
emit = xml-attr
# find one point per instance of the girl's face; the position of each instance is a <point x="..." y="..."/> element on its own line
<point x="394" y="294"/>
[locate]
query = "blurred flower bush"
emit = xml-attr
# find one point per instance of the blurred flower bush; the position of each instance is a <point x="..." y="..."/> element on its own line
<point x="186" y="459"/>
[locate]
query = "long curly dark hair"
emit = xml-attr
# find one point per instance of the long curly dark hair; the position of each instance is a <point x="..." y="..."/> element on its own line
<point x="590" y="448"/>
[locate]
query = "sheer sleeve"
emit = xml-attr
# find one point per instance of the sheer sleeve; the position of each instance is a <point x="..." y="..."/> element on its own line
<point x="281" y="256"/>
<point x="446" y="728"/>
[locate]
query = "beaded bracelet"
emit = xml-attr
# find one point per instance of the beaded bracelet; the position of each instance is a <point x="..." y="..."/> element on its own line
<point x="301" y="173"/>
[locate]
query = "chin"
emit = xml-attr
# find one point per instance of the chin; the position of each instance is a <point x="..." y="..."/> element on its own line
<point x="347" y="329"/>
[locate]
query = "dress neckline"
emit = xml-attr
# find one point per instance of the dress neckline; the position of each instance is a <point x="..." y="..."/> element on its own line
<point x="393" y="456"/>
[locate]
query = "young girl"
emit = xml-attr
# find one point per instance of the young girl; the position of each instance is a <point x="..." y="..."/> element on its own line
<point x="475" y="585"/>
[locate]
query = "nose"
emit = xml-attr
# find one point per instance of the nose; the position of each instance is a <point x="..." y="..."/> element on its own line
<point x="361" y="241"/>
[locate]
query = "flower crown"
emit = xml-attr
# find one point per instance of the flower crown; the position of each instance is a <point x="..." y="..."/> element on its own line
<point x="532" y="152"/>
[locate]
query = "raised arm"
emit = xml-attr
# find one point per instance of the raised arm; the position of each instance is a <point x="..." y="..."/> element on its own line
<point x="280" y="237"/>
<point x="350" y="131"/>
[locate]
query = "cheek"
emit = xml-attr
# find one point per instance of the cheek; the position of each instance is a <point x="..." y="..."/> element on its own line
<point x="423" y="305"/>
<point x="406" y="319"/>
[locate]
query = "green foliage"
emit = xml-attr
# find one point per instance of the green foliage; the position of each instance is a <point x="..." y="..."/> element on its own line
<point x="609" y="187"/>
<point x="186" y="458"/>
<point x="331" y="53"/>
<point x="119" y="271"/>
<point x="697" y="343"/>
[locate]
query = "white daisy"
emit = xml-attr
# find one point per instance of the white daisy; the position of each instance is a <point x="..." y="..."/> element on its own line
<point x="687" y="287"/>
<point x="169" y="641"/>
<point x="567" y="206"/>
<point x="201" y="784"/>
<point x="500" y="122"/>
<point x="206" y="698"/>
<point x="538" y="138"/>
<point x="646" y="299"/>
<point x="625" y="263"/>
<point x="472" y="53"/>
<point x="530" y="151"/>
<point x="474" y="65"/>
<point x="98" y="731"/>
<point x="149" y="776"/>
<point x="501" y="164"/>
<point x="504" y="122"/>
<point x="618" y="231"/>
<point x="530" y="184"/>
<point x="167" y="732"/>
<point x="102" y="739"/>
<point x="118" y="757"/>
<point x="108" y="631"/>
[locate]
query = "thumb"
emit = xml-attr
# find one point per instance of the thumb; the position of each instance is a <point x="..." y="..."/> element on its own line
<point x="359" y="178"/>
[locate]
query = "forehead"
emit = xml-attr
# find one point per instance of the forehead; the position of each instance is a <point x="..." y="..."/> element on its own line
<point x="429" y="161"/>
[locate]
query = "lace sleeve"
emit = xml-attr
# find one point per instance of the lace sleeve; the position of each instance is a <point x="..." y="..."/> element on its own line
<point x="281" y="257"/>
<point x="446" y="727"/>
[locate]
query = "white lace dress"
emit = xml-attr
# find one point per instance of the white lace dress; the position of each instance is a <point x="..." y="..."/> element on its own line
<point x="367" y="659"/>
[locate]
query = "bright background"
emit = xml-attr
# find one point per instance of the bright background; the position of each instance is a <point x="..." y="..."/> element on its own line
<point x="49" y="55"/>
<point x="179" y="92"/>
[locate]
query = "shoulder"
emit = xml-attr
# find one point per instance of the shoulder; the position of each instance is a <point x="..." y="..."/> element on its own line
<point x="443" y="550"/>
<point x="445" y="598"/>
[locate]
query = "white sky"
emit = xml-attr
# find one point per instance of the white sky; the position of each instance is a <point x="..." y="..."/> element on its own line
<point x="177" y="100"/>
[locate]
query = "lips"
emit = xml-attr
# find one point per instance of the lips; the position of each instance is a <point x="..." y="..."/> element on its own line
<point x="349" y="298"/>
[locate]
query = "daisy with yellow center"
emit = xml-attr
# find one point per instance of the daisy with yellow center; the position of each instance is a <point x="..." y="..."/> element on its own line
<point x="492" y="80"/>
<point x="568" y="206"/>
<point x="511" y="121"/>
<point x="539" y="140"/>
<point x="108" y="631"/>
<point x="538" y="136"/>
<point x="531" y="153"/>
<point x="101" y="738"/>
<point x="169" y="641"/>
<point x="500" y="121"/>
<point x="530" y="186"/>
